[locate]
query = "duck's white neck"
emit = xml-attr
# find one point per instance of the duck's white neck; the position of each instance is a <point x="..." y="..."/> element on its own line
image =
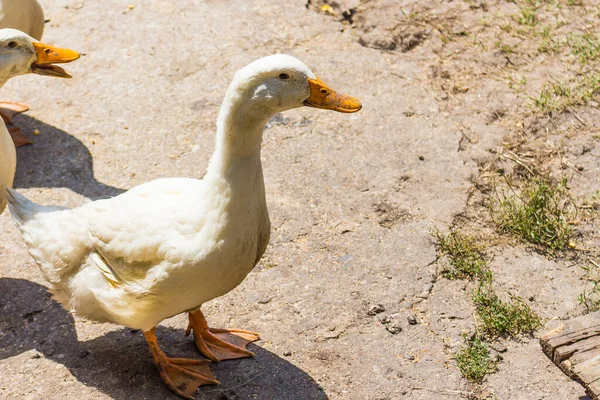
<point x="240" y="127"/>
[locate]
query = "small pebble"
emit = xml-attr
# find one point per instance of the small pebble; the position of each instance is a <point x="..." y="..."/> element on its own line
<point x="345" y="258"/>
<point x="422" y="308"/>
<point x="84" y="353"/>
<point x="36" y="355"/>
<point x="265" y="300"/>
<point x="287" y="353"/>
<point x="36" y="132"/>
<point x="412" y="320"/>
<point x="394" y="329"/>
<point x="499" y="347"/>
<point x="421" y="158"/>
<point x="332" y="335"/>
<point x="376" y="309"/>
<point x="495" y="356"/>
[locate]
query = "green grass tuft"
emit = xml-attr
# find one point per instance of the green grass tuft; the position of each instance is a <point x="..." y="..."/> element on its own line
<point x="528" y="16"/>
<point x="546" y="101"/>
<point x="558" y="96"/>
<point x="504" y="48"/>
<point x="586" y="47"/>
<point x="503" y="319"/>
<point x="589" y="87"/>
<point x="591" y="299"/>
<point x="538" y="215"/>
<point x="555" y="96"/>
<point x="474" y="360"/>
<point x="466" y="257"/>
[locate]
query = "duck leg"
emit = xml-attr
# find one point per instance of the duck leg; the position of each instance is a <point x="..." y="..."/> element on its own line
<point x="219" y="344"/>
<point x="8" y="110"/>
<point x="182" y="375"/>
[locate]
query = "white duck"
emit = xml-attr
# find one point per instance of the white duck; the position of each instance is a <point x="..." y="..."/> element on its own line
<point x="21" y="54"/>
<point x="170" y="245"/>
<point x="26" y="16"/>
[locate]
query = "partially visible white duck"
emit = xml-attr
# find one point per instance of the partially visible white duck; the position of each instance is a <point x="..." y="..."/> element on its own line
<point x="21" y="54"/>
<point x="26" y="16"/>
<point x="170" y="245"/>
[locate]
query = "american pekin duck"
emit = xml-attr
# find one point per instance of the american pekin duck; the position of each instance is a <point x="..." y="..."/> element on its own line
<point x="21" y="54"/>
<point x="26" y="16"/>
<point x="168" y="246"/>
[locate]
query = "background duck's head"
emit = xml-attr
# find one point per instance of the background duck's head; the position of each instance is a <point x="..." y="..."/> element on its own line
<point x="280" y="82"/>
<point x="21" y="54"/>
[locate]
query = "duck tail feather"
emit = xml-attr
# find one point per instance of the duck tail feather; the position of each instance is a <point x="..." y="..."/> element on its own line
<point x="21" y="208"/>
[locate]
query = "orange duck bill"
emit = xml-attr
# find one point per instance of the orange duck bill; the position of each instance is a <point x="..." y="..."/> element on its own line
<point x="321" y="96"/>
<point x="47" y="56"/>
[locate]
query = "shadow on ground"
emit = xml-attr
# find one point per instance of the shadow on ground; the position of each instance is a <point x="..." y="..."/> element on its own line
<point x="119" y="363"/>
<point x="57" y="159"/>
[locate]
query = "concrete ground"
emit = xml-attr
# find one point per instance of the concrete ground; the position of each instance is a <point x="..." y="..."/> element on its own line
<point x="352" y="198"/>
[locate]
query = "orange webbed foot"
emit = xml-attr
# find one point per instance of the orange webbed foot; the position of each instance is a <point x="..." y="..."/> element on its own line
<point x="19" y="139"/>
<point x="8" y="109"/>
<point x="220" y="344"/>
<point x="183" y="376"/>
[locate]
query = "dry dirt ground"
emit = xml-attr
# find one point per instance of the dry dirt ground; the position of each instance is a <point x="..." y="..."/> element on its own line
<point x="449" y="94"/>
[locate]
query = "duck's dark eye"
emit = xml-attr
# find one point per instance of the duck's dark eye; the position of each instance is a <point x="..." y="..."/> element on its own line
<point x="284" y="76"/>
<point x="12" y="44"/>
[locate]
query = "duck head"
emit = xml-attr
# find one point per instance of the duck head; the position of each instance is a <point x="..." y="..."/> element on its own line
<point x="280" y="82"/>
<point x="21" y="54"/>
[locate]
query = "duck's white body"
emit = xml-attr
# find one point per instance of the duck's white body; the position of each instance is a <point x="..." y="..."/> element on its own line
<point x="155" y="251"/>
<point x="8" y="162"/>
<point x="8" y="155"/>
<point x="24" y="15"/>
